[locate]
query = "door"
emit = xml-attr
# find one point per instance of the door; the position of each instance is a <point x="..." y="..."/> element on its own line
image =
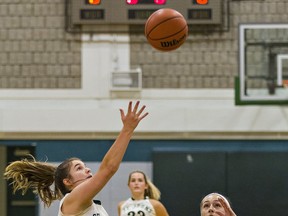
<point x="258" y="181"/>
<point x="18" y="204"/>
<point x="184" y="178"/>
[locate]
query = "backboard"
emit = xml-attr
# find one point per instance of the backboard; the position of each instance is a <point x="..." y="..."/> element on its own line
<point x="263" y="64"/>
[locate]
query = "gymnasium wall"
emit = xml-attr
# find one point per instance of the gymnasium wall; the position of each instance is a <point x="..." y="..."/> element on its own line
<point x="36" y="52"/>
<point x="55" y="91"/>
<point x="141" y="155"/>
<point x="59" y="83"/>
<point x="55" y="81"/>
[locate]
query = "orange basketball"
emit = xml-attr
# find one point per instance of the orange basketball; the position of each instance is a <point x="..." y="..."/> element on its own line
<point x="166" y="29"/>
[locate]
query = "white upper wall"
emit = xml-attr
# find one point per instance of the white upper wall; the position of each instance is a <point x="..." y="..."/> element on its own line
<point x="165" y="115"/>
<point x="92" y="109"/>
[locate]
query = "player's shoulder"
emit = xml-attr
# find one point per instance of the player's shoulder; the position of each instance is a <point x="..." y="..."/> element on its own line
<point x="121" y="203"/>
<point x="159" y="207"/>
<point x="155" y="202"/>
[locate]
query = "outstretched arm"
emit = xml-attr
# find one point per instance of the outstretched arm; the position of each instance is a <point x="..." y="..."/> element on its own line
<point x="82" y="195"/>
<point x="130" y="121"/>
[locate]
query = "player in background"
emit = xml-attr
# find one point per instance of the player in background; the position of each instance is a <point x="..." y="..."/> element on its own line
<point x="144" y="200"/>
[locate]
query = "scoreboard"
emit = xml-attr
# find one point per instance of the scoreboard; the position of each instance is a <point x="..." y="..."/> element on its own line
<point x="136" y="12"/>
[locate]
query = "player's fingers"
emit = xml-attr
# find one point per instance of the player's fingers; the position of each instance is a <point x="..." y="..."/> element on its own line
<point x="223" y="202"/>
<point x="143" y="116"/>
<point x="130" y="106"/>
<point x="122" y="113"/>
<point x="136" y="107"/>
<point x="141" y="110"/>
<point x="219" y="213"/>
<point x="226" y="205"/>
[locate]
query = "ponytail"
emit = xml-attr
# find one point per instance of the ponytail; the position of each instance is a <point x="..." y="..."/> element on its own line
<point x="38" y="176"/>
<point x="152" y="192"/>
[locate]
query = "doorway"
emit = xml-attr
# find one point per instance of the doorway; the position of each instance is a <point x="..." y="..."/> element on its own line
<point x="18" y="204"/>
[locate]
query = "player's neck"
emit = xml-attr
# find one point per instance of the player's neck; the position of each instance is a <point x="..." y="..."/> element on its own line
<point x="137" y="197"/>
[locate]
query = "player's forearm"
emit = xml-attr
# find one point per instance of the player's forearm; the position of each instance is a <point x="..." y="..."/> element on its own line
<point x="116" y="153"/>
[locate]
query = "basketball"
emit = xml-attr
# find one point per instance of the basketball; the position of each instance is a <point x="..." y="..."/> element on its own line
<point x="166" y="29"/>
